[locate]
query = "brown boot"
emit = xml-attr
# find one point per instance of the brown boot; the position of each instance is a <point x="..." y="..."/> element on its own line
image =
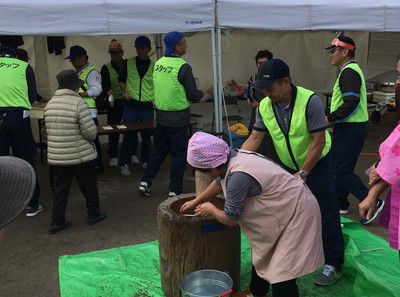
<point x="246" y="293"/>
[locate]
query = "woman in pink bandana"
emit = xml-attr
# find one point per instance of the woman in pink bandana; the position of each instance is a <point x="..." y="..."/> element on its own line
<point x="276" y="211"/>
<point x="386" y="174"/>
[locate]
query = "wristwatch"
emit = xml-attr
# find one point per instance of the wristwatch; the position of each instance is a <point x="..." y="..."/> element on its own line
<point x="303" y="174"/>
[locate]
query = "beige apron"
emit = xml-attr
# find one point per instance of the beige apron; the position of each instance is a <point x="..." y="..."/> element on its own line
<point x="282" y="224"/>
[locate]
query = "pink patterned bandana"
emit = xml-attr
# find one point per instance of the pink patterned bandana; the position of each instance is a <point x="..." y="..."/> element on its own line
<point x="206" y="151"/>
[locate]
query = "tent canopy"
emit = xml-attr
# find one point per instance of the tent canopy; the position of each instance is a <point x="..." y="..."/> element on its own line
<point x="104" y="17"/>
<point x="355" y="15"/>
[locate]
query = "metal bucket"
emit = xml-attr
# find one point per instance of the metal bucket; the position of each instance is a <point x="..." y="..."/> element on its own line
<point x="206" y="283"/>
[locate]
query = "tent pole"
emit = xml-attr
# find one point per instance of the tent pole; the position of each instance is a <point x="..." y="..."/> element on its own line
<point x="215" y="80"/>
<point x="218" y="118"/>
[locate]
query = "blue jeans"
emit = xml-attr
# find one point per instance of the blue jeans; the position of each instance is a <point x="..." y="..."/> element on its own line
<point x="114" y="116"/>
<point x="16" y="134"/>
<point x="348" y="140"/>
<point x="173" y="141"/>
<point x="130" y="141"/>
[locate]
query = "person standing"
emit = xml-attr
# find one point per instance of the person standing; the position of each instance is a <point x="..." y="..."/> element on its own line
<point x="71" y="153"/>
<point x="89" y="91"/>
<point x="254" y="98"/>
<point x="348" y="112"/>
<point x="17" y="93"/>
<point x="174" y="89"/>
<point x="296" y="120"/>
<point x="110" y="85"/>
<point x="276" y="211"/>
<point x="136" y="81"/>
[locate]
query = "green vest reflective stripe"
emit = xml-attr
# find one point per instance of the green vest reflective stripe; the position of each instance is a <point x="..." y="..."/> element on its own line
<point x="141" y="89"/>
<point x="169" y="94"/>
<point x="118" y="94"/>
<point x="89" y="100"/>
<point x="14" y="87"/>
<point x="292" y="148"/>
<point x="360" y="115"/>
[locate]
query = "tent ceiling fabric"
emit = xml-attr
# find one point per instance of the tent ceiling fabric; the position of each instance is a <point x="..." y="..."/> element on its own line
<point x="110" y="17"/>
<point x="355" y="15"/>
<point x="104" y="17"/>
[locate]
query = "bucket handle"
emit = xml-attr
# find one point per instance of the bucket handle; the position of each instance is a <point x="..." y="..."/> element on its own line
<point x="226" y="293"/>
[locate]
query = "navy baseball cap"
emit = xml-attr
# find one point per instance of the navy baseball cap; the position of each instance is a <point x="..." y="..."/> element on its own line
<point x="142" y="41"/>
<point x="170" y="40"/>
<point x="76" y="51"/>
<point x="341" y="41"/>
<point x="269" y="71"/>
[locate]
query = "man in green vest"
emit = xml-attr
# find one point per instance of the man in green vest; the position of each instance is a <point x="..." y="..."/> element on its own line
<point x="295" y="118"/>
<point x="136" y="81"/>
<point x="110" y="84"/>
<point x="174" y="89"/>
<point x="17" y="92"/>
<point x="89" y="91"/>
<point x="348" y="112"/>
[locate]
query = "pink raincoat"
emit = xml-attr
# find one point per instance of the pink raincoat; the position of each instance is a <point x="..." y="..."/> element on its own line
<point x="389" y="171"/>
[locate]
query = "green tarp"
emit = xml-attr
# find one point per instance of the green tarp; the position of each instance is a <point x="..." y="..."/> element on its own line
<point x="133" y="271"/>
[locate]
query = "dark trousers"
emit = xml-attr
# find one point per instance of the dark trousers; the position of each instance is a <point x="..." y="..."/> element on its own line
<point x="173" y="141"/>
<point x="114" y="115"/>
<point x="260" y="287"/>
<point x="85" y="174"/>
<point x="322" y="184"/>
<point x="99" y="159"/>
<point x="16" y="133"/>
<point x="348" y="140"/>
<point x="130" y="141"/>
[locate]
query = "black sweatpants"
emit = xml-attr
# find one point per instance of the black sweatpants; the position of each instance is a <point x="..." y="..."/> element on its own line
<point x="85" y="174"/>
<point x="260" y="287"/>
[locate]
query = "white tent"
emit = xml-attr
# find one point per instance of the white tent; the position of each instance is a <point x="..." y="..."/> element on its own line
<point x="104" y="17"/>
<point x="295" y="33"/>
<point x="355" y="15"/>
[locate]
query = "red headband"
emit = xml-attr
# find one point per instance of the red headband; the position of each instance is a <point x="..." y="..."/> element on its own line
<point x="337" y="42"/>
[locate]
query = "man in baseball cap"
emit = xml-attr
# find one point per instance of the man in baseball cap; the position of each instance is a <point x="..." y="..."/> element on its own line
<point x="348" y="112"/>
<point x="170" y="40"/>
<point x="295" y="118"/>
<point x="18" y="179"/>
<point x="174" y="89"/>
<point x="110" y="85"/>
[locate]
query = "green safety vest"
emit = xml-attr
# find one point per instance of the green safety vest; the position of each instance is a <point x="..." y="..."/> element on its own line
<point x="89" y="100"/>
<point x="114" y="82"/>
<point x="360" y="115"/>
<point x="169" y="94"/>
<point x="292" y="148"/>
<point x="14" y="87"/>
<point x="141" y="89"/>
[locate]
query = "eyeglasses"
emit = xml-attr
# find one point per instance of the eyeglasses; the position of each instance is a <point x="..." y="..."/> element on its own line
<point x="397" y="75"/>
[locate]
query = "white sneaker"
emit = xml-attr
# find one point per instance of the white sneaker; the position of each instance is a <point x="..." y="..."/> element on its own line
<point x="171" y="194"/>
<point x="134" y="160"/>
<point x="31" y="212"/>
<point x="144" y="188"/>
<point x="125" y="170"/>
<point x="113" y="162"/>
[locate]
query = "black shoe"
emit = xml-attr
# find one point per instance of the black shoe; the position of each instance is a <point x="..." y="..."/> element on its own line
<point x="95" y="220"/>
<point x="55" y="228"/>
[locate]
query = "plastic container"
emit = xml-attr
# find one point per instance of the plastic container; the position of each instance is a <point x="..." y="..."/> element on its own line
<point x="379" y="96"/>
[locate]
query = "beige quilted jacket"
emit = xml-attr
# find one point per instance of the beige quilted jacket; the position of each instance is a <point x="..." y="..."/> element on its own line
<point x="70" y="129"/>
